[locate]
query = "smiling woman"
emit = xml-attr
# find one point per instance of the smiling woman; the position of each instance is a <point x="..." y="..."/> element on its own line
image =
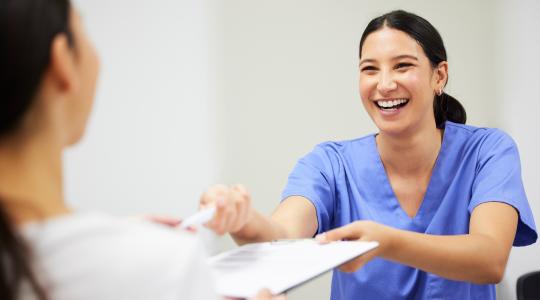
<point x="435" y="193"/>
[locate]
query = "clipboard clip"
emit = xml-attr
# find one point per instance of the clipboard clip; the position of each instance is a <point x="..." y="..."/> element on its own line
<point x="289" y="241"/>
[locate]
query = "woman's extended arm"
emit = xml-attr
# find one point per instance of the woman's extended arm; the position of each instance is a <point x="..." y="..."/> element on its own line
<point x="295" y="217"/>
<point x="479" y="257"/>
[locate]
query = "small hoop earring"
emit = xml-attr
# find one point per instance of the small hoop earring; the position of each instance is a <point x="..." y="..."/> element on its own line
<point x="440" y="92"/>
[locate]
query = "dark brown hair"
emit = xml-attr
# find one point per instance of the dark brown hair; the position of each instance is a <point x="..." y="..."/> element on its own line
<point x="27" y="29"/>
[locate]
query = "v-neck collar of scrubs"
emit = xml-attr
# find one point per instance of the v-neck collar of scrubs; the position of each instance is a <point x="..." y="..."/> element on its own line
<point x="430" y="200"/>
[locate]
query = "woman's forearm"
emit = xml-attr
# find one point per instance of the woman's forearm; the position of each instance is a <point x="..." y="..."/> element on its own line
<point x="295" y="217"/>
<point x="479" y="256"/>
<point x="471" y="257"/>
<point x="260" y="228"/>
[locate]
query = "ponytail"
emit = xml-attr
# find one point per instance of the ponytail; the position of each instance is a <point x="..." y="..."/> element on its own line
<point x="448" y="108"/>
<point x="15" y="264"/>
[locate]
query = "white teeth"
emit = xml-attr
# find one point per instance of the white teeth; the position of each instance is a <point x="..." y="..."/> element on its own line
<point x="390" y="103"/>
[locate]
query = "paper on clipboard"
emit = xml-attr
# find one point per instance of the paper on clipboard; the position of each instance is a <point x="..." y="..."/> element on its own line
<point x="279" y="266"/>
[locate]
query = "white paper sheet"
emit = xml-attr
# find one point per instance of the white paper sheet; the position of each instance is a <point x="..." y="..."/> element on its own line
<point x="279" y="266"/>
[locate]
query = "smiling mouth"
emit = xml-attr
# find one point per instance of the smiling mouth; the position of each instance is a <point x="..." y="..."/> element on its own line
<point x="392" y="104"/>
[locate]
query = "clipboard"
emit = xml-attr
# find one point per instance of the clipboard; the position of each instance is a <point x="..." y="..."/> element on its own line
<point x="279" y="265"/>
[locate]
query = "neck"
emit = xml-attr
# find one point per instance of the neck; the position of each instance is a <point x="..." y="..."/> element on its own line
<point x="410" y="154"/>
<point x="31" y="177"/>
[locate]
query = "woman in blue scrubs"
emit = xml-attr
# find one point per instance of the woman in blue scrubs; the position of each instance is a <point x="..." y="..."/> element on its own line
<point x="444" y="200"/>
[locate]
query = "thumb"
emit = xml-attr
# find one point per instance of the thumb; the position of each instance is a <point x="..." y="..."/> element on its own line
<point x="338" y="234"/>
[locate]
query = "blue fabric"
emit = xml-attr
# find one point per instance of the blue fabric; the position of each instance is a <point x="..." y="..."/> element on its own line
<point x="346" y="182"/>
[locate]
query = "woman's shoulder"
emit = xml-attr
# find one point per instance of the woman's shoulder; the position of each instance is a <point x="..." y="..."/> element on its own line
<point x="479" y="137"/>
<point x="330" y="154"/>
<point x="93" y="227"/>
<point x="477" y="131"/>
<point x="113" y="255"/>
<point x="345" y="146"/>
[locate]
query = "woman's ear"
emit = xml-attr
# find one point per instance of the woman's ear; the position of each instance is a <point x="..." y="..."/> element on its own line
<point x="62" y="69"/>
<point x="441" y="73"/>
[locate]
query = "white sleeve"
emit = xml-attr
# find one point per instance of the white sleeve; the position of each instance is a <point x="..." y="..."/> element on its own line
<point x="179" y="270"/>
<point x="100" y="258"/>
<point x="198" y="281"/>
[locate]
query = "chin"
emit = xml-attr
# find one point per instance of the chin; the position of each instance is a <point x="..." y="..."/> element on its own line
<point x="392" y="128"/>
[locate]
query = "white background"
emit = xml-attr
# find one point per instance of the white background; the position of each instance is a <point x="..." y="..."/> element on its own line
<point x="149" y="145"/>
<point x="196" y="92"/>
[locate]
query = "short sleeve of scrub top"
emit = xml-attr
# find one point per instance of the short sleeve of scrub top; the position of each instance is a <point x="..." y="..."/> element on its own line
<point x="313" y="179"/>
<point x="498" y="178"/>
<point x="346" y="181"/>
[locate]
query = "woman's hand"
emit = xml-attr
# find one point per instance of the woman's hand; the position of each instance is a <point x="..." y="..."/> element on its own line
<point x="162" y="220"/>
<point x="167" y="221"/>
<point x="263" y="295"/>
<point x="266" y="295"/>
<point x="233" y="207"/>
<point x="361" y="231"/>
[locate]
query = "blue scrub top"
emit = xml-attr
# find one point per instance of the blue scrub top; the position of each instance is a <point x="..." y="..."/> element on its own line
<point x="346" y="181"/>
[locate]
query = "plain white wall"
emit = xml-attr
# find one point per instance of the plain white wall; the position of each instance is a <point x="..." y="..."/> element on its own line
<point x="518" y="48"/>
<point x="288" y="80"/>
<point x="149" y="145"/>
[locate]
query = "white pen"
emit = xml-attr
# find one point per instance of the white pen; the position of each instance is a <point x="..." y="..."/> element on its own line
<point x="198" y="218"/>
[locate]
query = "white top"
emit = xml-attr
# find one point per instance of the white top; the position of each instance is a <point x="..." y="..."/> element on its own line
<point x="95" y="256"/>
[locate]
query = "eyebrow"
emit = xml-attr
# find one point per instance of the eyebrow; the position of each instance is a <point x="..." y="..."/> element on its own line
<point x="367" y="60"/>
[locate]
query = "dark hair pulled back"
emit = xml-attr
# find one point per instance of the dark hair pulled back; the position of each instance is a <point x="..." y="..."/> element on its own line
<point x="27" y="29"/>
<point x="445" y="107"/>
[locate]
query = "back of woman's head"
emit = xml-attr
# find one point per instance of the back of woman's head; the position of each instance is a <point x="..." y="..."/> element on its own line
<point x="27" y="29"/>
<point x="445" y="106"/>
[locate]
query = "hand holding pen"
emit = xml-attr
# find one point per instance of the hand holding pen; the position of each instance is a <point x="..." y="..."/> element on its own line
<point x="222" y="209"/>
<point x="233" y="207"/>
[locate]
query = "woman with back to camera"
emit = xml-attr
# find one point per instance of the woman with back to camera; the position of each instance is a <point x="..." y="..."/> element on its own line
<point x="444" y="200"/>
<point x="48" y="71"/>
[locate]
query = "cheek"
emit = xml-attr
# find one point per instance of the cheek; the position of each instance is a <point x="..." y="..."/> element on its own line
<point x="421" y="89"/>
<point x="413" y="81"/>
<point x="91" y="59"/>
<point x="418" y="82"/>
<point x="91" y="70"/>
<point x="366" y="87"/>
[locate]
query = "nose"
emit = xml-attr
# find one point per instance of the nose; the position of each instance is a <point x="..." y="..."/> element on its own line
<point x="386" y="83"/>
